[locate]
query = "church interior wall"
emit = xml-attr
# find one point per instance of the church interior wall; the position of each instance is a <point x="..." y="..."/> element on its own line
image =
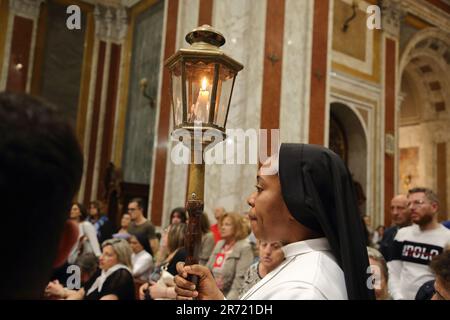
<point x="123" y="128"/>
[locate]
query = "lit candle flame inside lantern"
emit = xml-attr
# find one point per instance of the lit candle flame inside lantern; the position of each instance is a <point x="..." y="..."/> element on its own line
<point x="201" y="110"/>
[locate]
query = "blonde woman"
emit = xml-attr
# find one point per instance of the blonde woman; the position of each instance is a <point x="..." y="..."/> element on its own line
<point x="380" y="274"/>
<point x="113" y="281"/>
<point x="232" y="255"/>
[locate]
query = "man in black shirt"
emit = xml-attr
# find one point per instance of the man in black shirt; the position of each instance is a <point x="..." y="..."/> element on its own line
<point x="401" y="217"/>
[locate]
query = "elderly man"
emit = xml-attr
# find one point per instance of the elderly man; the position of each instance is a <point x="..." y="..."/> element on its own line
<point x="401" y="217"/>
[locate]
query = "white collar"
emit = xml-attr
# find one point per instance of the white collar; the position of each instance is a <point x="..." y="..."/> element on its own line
<point x="98" y="284"/>
<point x="139" y="254"/>
<point x="290" y="252"/>
<point x="301" y="247"/>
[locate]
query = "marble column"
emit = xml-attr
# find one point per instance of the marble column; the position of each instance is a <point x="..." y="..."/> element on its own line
<point x="243" y="25"/>
<point x="320" y="72"/>
<point x="162" y="147"/>
<point x="297" y="53"/>
<point x="111" y="27"/>
<point x="392" y="14"/>
<point x="110" y="31"/>
<point x="20" y="42"/>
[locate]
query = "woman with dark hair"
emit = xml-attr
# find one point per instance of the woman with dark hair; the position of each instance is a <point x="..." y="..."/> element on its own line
<point x="100" y="221"/>
<point x="141" y="258"/>
<point x="78" y="212"/>
<point x="305" y="198"/>
<point x="163" y="288"/>
<point x="377" y="236"/>
<point x="87" y="237"/>
<point x="178" y="215"/>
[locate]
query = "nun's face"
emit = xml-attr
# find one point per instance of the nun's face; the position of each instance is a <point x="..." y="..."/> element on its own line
<point x="269" y="217"/>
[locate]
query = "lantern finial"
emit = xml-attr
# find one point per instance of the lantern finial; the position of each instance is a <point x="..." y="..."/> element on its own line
<point x="206" y="34"/>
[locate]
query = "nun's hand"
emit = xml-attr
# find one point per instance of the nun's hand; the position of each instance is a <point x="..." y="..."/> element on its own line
<point x="186" y="290"/>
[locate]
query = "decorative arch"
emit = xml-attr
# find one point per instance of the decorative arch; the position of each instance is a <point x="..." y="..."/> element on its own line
<point x="426" y="58"/>
<point x="425" y="112"/>
<point x="348" y="134"/>
<point x="427" y="39"/>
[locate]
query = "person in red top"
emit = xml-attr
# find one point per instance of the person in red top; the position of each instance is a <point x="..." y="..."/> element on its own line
<point x="218" y="213"/>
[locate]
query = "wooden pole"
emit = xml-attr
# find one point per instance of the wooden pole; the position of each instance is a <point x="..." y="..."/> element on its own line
<point x="194" y="207"/>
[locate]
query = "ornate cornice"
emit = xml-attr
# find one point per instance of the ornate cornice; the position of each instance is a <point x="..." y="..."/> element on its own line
<point x="428" y="12"/>
<point x="26" y="8"/>
<point x="111" y="23"/>
<point x="393" y="12"/>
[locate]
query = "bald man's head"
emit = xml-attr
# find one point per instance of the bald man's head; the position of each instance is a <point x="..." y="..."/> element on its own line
<point x="401" y="216"/>
<point x="219" y="212"/>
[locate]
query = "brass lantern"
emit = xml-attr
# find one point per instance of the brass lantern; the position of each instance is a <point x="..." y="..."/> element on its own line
<point x="202" y="81"/>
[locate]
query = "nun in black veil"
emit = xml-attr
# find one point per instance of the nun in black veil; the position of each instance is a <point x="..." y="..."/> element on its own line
<point x="305" y="198"/>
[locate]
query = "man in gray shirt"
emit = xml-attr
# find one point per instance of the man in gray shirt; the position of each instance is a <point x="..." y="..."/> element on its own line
<point x="140" y="225"/>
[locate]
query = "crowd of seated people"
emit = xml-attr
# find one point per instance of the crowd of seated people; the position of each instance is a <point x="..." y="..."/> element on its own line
<point x="129" y="268"/>
<point x="35" y="135"/>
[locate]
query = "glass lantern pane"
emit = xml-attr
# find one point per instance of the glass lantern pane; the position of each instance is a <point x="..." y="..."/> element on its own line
<point x="176" y="95"/>
<point x="224" y="87"/>
<point x="199" y="82"/>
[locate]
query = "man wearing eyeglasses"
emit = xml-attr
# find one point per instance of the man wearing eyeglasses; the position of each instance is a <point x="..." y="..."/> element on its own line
<point x="416" y="245"/>
<point x="140" y="225"/>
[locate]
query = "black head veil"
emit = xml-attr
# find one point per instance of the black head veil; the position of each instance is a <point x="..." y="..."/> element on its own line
<point x="319" y="192"/>
<point x="143" y="240"/>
